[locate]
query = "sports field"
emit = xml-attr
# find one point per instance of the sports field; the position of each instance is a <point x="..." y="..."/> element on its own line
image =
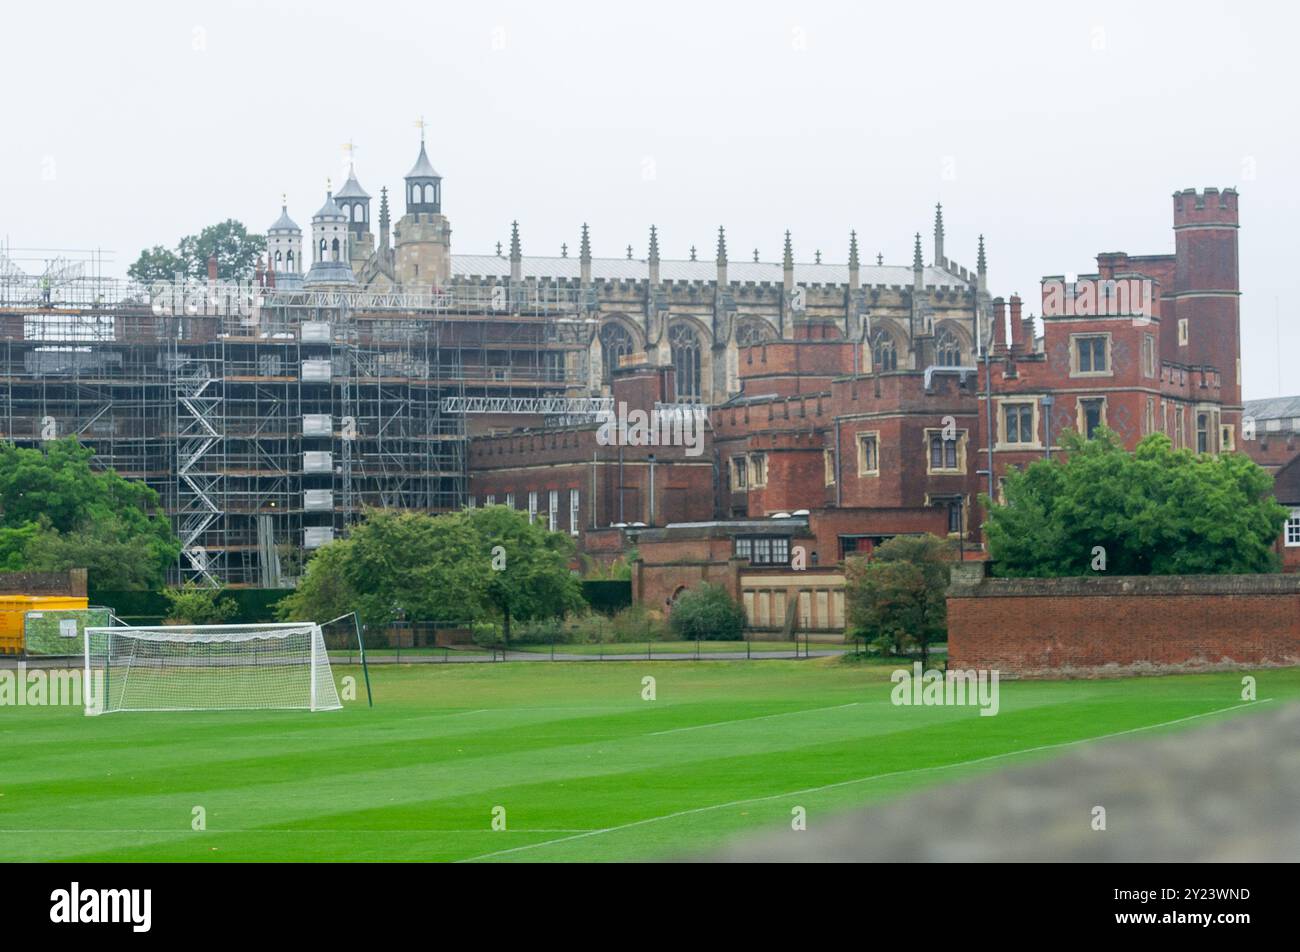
<point x="583" y="767"/>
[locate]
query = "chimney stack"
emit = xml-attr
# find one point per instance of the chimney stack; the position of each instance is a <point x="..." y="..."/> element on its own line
<point x="1017" y="326"/>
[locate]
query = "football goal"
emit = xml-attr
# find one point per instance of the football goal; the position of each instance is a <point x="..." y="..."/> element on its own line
<point x="208" y="668"/>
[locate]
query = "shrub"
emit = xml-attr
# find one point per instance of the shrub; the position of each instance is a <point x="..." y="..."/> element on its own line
<point x="637" y="623"/>
<point x="192" y="605"/>
<point x="708" y="613"/>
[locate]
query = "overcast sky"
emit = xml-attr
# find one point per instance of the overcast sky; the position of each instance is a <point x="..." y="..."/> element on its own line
<point x="1057" y="131"/>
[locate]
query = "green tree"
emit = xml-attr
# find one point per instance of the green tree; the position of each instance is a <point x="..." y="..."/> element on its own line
<point x="707" y="612"/>
<point x="192" y="605"/>
<point x="236" y="250"/>
<point x="1155" y="511"/>
<point x="323" y="591"/>
<point x="115" y="558"/>
<point x="426" y="567"/>
<point x="896" y="599"/>
<point x="527" y="567"/>
<point x="156" y="264"/>
<point x="57" y="512"/>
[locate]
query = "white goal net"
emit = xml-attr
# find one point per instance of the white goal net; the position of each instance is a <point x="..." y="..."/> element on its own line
<point x="208" y="668"/>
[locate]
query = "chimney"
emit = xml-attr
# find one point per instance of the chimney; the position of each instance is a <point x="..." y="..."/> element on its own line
<point x="1017" y="326"/>
<point x="999" y="326"/>
<point x="212" y="269"/>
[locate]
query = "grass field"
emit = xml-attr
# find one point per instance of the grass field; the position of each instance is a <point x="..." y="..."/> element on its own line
<point x="583" y="766"/>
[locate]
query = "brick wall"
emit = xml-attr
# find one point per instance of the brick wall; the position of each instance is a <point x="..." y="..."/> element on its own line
<point x="71" y="582"/>
<point x="1109" y="627"/>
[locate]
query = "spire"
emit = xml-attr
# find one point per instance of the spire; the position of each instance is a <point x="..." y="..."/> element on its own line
<point x="584" y="257"/>
<point x="981" y="268"/>
<point x="917" y="262"/>
<point x="817" y="256"/>
<point x="722" y="258"/>
<point x="654" y="255"/>
<point x="939" y="260"/>
<point x="383" y="219"/>
<point x="693" y="252"/>
<point x="855" y="272"/>
<point x="629" y="252"/>
<point x="516" y="255"/>
<point x="787" y="265"/>
<point x="756" y="256"/>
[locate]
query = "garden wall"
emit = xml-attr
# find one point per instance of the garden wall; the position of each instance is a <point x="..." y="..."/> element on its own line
<point x="1109" y="627"/>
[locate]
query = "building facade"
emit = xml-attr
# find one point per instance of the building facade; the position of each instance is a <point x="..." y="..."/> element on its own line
<point x="840" y="404"/>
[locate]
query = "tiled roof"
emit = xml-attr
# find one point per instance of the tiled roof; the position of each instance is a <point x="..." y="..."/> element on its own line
<point x="1274" y="408"/>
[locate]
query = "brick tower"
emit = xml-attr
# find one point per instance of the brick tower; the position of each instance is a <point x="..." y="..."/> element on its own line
<point x="1206" y="330"/>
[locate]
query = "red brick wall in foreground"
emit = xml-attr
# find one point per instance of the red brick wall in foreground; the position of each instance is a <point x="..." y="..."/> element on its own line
<point x="1107" y="627"/>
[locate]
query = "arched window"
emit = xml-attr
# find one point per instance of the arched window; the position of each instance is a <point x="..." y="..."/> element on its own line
<point x="615" y="342"/>
<point x="334" y="249"/>
<point x="279" y="261"/>
<point x="884" y="356"/>
<point x="289" y="261"/>
<point x="320" y="253"/>
<point x="948" y="350"/>
<point x="685" y="345"/>
<point x="752" y="332"/>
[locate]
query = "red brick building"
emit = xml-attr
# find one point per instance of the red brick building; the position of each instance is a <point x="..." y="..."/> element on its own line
<point x="848" y="430"/>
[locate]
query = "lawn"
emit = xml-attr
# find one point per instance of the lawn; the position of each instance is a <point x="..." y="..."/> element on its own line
<point x="584" y="768"/>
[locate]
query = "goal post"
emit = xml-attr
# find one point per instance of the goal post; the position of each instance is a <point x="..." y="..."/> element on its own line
<point x="208" y="668"/>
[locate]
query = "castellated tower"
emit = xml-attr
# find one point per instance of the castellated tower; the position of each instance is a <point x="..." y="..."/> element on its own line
<point x="1207" y="294"/>
<point x="423" y="234"/>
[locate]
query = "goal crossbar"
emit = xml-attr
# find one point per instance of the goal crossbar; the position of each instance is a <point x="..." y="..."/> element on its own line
<point x="208" y="667"/>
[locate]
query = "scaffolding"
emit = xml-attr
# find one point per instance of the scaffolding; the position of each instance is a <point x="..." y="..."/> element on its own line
<point x="270" y="420"/>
